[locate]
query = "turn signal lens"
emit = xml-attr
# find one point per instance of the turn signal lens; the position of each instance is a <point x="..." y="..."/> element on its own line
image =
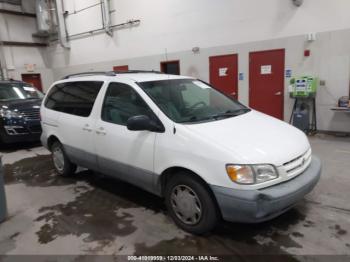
<point x="240" y="174"/>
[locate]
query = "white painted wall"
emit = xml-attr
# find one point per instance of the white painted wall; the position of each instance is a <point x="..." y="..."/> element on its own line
<point x="330" y="61"/>
<point x="180" y="25"/>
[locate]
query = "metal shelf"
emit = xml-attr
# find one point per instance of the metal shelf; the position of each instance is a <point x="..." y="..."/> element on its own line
<point x="341" y="109"/>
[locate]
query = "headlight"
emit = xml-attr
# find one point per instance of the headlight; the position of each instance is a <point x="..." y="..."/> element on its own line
<point x="251" y="174"/>
<point x="9" y="113"/>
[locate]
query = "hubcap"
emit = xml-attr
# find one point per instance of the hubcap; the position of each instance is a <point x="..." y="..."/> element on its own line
<point x="186" y="204"/>
<point x="58" y="159"/>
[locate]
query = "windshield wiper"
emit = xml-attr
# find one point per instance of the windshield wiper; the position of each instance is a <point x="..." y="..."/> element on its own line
<point x="231" y="113"/>
<point x="192" y="119"/>
<point x="226" y="114"/>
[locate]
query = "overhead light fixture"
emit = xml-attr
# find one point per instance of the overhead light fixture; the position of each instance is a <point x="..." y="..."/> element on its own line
<point x="196" y="50"/>
<point x="298" y="2"/>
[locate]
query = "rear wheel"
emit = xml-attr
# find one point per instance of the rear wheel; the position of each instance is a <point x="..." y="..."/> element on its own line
<point x="190" y="204"/>
<point x="61" y="162"/>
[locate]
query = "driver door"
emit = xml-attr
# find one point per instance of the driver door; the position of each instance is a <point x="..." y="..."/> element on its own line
<point x="124" y="154"/>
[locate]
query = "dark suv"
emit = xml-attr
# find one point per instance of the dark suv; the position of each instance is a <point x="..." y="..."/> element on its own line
<point x="19" y="111"/>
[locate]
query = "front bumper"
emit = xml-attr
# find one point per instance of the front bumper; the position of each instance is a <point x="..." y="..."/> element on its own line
<point x="33" y="137"/>
<point x="254" y="206"/>
<point x="20" y="132"/>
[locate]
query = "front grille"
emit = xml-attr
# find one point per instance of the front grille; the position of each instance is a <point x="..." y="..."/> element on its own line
<point x="20" y="130"/>
<point x="298" y="165"/>
<point x="31" y="114"/>
<point x="35" y="129"/>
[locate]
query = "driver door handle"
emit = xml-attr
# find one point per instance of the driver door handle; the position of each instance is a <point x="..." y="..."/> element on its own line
<point x="101" y="131"/>
<point x="86" y="128"/>
<point x="278" y="93"/>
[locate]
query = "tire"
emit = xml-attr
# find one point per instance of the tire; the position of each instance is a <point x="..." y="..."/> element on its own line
<point x="66" y="167"/>
<point x="188" y="193"/>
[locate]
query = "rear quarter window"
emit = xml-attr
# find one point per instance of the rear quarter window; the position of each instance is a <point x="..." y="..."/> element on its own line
<point x="75" y="98"/>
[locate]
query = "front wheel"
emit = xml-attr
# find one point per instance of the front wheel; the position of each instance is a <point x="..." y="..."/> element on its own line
<point x="190" y="204"/>
<point x="61" y="162"/>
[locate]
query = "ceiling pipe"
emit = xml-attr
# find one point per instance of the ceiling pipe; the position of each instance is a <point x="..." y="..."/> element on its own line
<point x="26" y="44"/>
<point x="3" y="72"/>
<point x="3" y="63"/>
<point x="62" y="27"/>
<point x="106" y="17"/>
<point x="11" y="12"/>
<point x="12" y="2"/>
<point x="129" y="23"/>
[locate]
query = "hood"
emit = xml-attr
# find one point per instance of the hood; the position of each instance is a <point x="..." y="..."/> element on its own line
<point x="254" y="138"/>
<point x="21" y="104"/>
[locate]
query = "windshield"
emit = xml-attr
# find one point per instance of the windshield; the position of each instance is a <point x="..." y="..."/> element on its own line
<point x="17" y="91"/>
<point x="191" y="101"/>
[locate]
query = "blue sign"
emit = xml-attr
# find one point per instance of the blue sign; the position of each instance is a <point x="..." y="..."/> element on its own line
<point x="288" y="73"/>
<point x="241" y="77"/>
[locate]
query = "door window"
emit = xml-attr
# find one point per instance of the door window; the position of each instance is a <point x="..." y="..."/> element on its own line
<point x="121" y="103"/>
<point x="76" y="98"/>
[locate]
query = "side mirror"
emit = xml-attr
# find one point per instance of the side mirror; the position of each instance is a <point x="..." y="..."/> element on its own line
<point x="143" y="123"/>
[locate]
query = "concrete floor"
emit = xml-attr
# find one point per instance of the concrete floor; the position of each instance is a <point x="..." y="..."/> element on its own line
<point x="93" y="214"/>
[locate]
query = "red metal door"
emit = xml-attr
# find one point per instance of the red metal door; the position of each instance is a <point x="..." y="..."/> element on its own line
<point x="121" y="68"/>
<point x="224" y="74"/>
<point x="33" y="79"/>
<point x="170" y="67"/>
<point x="266" y="82"/>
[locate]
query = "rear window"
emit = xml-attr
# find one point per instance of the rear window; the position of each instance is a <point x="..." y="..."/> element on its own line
<point x="75" y="98"/>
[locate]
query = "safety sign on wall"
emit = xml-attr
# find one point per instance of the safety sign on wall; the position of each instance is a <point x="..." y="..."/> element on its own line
<point x="266" y="69"/>
<point x="223" y="71"/>
<point x="288" y="73"/>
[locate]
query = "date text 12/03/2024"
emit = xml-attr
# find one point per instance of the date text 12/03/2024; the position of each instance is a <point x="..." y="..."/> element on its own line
<point x="173" y="258"/>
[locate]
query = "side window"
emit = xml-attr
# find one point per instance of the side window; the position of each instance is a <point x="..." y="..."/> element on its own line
<point x="121" y="103"/>
<point x="76" y="98"/>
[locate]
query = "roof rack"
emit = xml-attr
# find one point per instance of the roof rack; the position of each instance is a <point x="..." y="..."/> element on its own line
<point x="111" y="73"/>
<point x="89" y="74"/>
<point x="137" y="71"/>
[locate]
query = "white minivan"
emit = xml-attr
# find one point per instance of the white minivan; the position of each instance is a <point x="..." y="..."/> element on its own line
<point x="209" y="156"/>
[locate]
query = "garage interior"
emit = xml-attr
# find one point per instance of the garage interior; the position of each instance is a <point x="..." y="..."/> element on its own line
<point x="249" y="50"/>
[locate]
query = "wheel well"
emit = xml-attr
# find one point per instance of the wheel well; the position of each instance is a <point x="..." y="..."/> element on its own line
<point x="168" y="173"/>
<point x="52" y="139"/>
